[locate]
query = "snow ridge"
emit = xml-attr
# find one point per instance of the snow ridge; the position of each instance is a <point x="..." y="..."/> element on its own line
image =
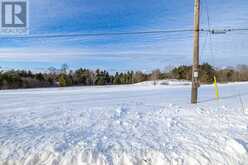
<point x="120" y="127"/>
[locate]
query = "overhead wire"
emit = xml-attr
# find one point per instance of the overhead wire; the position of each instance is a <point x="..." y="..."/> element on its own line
<point x="149" y="32"/>
<point x="97" y="34"/>
<point x="212" y="53"/>
<point x="210" y="35"/>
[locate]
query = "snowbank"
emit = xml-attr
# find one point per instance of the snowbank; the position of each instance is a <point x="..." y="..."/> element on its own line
<point x="169" y="82"/>
<point x="128" y="125"/>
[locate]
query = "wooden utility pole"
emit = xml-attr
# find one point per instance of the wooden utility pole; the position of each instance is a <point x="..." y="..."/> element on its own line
<point x="195" y="67"/>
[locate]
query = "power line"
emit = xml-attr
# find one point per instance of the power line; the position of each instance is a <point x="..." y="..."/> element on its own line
<point x="151" y="32"/>
<point x="96" y="34"/>
<point x="210" y="35"/>
<point x="238" y="29"/>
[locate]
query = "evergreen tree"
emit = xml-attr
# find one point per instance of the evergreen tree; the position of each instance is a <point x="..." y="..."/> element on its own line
<point x="62" y="82"/>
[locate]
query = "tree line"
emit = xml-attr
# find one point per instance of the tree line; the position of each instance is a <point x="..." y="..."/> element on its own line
<point x="63" y="77"/>
<point x="207" y="73"/>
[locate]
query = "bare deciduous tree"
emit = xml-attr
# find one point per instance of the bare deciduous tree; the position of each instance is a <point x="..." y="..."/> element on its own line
<point x="155" y="76"/>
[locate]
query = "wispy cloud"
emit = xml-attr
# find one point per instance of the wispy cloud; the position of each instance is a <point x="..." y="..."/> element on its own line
<point x="143" y="52"/>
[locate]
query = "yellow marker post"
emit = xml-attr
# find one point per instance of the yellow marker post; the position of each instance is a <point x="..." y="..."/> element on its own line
<point x="216" y="88"/>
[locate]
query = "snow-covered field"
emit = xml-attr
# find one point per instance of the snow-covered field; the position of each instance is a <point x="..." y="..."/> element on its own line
<point x="137" y="124"/>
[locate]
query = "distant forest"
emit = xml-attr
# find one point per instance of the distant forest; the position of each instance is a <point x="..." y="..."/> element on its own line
<point x="63" y="77"/>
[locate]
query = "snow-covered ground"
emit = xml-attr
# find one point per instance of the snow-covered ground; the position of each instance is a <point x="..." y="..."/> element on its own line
<point x="124" y="125"/>
<point x="165" y="82"/>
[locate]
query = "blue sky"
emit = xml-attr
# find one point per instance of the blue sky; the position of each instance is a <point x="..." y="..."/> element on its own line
<point x="121" y="53"/>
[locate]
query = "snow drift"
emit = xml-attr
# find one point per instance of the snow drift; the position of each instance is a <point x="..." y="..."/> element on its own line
<point x="124" y="125"/>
